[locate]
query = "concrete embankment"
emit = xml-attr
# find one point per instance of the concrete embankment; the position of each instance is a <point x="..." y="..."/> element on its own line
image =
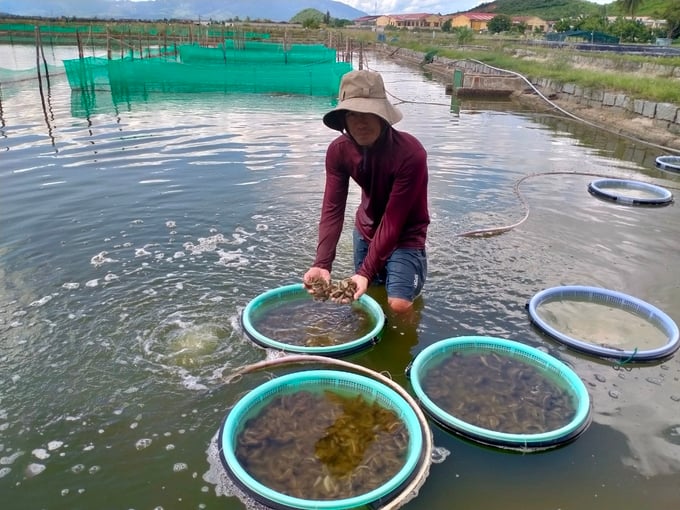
<point x="654" y="122"/>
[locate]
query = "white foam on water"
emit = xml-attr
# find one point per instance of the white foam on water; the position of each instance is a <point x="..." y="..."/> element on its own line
<point x="101" y="258"/>
<point x="92" y="283"/>
<point x="70" y="285"/>
<point x="232" y="258"/>
<point x="180" y="466"/>
<point x="40" y="453"/>
<point x="205" y="244"/>
<point x="143" y="443"/>
<point x="9" y="460"/>
<point x="224" y="486"/>
<point x="5" y="471"/>
<point x="42" y="301"/>
<point x="34" y="469"/>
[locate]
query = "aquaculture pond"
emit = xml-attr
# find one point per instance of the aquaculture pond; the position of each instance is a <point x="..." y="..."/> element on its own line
<point x="134" y="230"/>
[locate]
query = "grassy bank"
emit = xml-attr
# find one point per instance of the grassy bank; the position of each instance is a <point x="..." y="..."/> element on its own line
<point x="611" y="72"/>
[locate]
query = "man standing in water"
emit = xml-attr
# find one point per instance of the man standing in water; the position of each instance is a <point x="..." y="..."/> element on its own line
<point x="390" y="166"/>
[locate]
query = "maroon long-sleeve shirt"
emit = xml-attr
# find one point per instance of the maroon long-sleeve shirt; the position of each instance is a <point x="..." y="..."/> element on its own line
<point x="393" y="212"/>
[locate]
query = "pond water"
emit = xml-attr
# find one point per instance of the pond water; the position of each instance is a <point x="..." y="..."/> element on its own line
<point x="133" y="233"/>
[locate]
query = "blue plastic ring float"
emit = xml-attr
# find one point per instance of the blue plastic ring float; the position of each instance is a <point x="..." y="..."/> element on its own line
<point x="618" y="299"/>
<point x="615" y="189"/>
<point x="525" y="442"/>
<point x="670" y="163"/>
<point x="370" y="305"/>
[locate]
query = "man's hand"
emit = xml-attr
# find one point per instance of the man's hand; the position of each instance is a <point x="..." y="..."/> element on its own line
<point x="362" y="285"/>
<point x="314" y="273"/>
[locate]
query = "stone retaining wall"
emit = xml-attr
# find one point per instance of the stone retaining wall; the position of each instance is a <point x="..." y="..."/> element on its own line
<point x="664" y="115"/>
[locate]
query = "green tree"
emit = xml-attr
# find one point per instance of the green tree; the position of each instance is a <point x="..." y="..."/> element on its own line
<point x="327" y="18"/>
<point x="628" y="30"/>
<point x="310" y="23"/>
<point x="464" y="35"/>
<point x="520" y="27"/>
<point x="630" y="6"/>
<point x="446" y="26"/>
<point x="593" y="23"/>
<point x="672" y="16"/>
<point x="500" y="23"/>
<point x="563" y="25"/>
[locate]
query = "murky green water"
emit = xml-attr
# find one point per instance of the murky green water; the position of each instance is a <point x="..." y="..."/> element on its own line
<point x="133" y="233"/>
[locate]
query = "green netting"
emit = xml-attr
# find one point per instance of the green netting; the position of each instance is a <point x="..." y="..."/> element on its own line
<point x="257" y="52"/>
<point x="247" y="35"/>
<point x="21" y="27"/>
<point x="164" y="76"/>
<point x="87" y="73"/>
<point x="256" y="67"/>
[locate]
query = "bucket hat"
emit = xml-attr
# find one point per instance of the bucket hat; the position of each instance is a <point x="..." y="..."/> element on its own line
<point x="364" y="92"/>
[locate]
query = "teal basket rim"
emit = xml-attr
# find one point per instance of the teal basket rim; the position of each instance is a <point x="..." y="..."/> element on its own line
<point x="260" y="393"/>
<point x="365" y="301"/>
<point x="596" y="294"/>
<point x="493" y="437"/>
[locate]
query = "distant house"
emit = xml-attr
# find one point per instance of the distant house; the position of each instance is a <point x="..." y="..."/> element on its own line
<point x="478" y="21"/>
<point x="410" y="21"/>
<point x="366" y="21"/>
<point x="533" y="23"/>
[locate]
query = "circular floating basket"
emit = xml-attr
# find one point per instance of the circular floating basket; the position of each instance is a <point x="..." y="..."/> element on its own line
<point x="483" y="348"/>
<point x="349" y="385"/>
<point x="670" y="163"/>
<point x="296" y="292"/>
<point x="629" y="192"/>
<point x="612" y="300"/>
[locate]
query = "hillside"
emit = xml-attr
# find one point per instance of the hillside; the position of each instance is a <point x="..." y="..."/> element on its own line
<point x="272" y="10"/>
<point x="557" y="9"/>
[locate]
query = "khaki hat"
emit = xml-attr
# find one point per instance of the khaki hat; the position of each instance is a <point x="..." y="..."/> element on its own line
<point x="364" y="92"/>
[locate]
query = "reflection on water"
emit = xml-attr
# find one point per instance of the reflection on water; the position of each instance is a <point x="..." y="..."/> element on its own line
<point x="602" y="324"/>
<point x="133" y="234"/>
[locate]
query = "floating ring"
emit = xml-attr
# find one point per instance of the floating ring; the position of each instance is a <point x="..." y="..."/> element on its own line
<point x="629" y="192"/>
<point x="670" y="163"/>
<point x="610" y="298"/>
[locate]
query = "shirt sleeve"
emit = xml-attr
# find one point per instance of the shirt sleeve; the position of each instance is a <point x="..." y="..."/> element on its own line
<point x="332" y="208"/>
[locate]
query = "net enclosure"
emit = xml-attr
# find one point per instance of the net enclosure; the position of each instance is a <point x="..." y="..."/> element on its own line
<point x="237" y="65"/>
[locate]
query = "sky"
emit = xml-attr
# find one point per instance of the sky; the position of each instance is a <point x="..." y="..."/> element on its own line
<point x="429" y="6"/>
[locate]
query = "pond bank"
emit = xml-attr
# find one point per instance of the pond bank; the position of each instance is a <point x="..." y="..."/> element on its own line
<point x="647" y="121"/>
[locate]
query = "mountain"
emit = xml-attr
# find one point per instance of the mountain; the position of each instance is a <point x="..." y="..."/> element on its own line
<point x="219" y="10"/>
<point x="557" y="9"/>
<point x="546" y="9"/>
